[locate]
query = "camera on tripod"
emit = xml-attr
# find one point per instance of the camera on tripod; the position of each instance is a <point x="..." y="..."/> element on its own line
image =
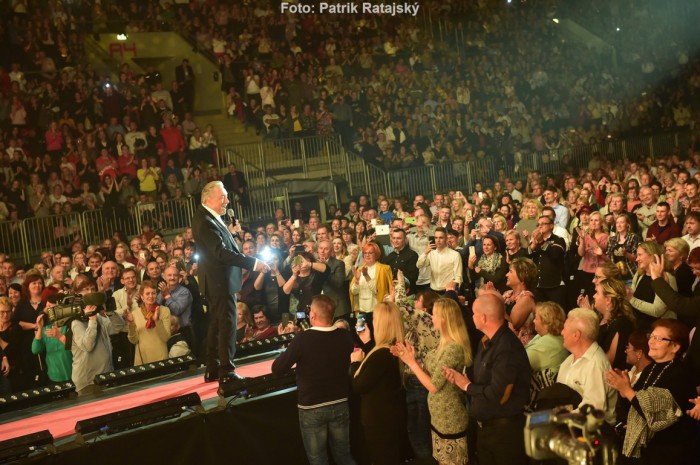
<point x="581" y="437"/>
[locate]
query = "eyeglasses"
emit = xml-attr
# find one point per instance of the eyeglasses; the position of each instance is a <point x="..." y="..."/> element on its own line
<point x="654" y="337"/>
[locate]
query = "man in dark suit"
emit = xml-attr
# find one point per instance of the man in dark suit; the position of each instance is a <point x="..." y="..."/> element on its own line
<point x="220" y="263"/>
<point x="335" y="286"/>
<point x="235" y="182"/>
<point x="184" y="75"/>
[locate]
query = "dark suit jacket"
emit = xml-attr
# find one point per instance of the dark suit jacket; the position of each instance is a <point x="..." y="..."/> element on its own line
<point x="180" y="75"/>
<point x="220" y="261"/>
<point x="336" y="287"/>
<point x="405" y="261"/>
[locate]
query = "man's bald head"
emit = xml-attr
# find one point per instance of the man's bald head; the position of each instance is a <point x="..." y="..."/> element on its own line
<point x="490" y="306"/>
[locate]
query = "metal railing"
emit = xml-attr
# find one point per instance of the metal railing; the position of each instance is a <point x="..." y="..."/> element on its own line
<point x="28" y="237"/>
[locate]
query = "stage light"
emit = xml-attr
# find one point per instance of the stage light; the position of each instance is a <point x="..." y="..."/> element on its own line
<point x="122" y="36"/>
<point x="251" y="387"/>
<point x="138" y="416"/>
<point x="274" y="341"/>
<point x="36" y="396"/>
<point x="146" y="371"/>
<point x="22" y="446"/>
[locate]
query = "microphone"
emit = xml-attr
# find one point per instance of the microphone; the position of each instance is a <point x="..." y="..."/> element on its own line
<point x="231" y="216"/>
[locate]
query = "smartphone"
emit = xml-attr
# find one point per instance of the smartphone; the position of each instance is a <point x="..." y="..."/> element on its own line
<point x="395" y="273"/>
<point x="285" y="319"/>
<point x="431" y="240"/>
<point x="142" y="255"/>
<point x="373" y="222"/>
<point x="297" y="224"/>
<point x="472" y="250"/>
<point x="301" y="315"/>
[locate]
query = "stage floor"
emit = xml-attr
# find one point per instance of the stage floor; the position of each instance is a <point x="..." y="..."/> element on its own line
<point x="60" y="416"/>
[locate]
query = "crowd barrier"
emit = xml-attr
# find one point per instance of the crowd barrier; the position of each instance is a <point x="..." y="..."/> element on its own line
<point x="27" y="238"/>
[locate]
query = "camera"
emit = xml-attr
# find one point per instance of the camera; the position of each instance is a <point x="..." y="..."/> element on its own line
<point x="71" y="308"/>
<point x="302" y="317"/>
<point x="581" y="437"/>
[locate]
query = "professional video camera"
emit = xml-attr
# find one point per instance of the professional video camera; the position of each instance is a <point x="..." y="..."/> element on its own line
<point x="71" y="307"/>
<point x="578" y="437"/>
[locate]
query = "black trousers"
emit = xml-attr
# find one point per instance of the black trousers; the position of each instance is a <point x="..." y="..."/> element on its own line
<point x="552" y="294"/>
<point x="221" y="338"/>
<point x="501" y="442"/>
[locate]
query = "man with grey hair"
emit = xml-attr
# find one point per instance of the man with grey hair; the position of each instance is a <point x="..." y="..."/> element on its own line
<point x="220" y="263"/>
<point x="584" y="370"/>
<point x="646" y="214"/>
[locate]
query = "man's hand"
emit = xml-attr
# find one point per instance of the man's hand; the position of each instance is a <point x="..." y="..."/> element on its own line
<point x="456" y="378"/>
<point x="357" y="356"/>
<point x="90" y="309"/>
<point x="262" y="267"/>
<point x="5" y="366"/>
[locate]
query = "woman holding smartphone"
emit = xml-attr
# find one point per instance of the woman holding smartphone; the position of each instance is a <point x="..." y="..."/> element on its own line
<point x="378" y="383"/>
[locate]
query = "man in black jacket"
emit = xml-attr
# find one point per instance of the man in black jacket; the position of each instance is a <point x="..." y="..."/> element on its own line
<point x="220" y="264"/>
<point x="402" y="258"/>
<point x="322" y="358"/>
<point x="687" y="308"/>
<point x="335" y="286"/>
<point x="548" y="252"/>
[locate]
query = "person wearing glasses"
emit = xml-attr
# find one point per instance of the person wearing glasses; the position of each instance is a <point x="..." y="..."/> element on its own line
<point x="548" y="251"/>
<point x="371" y="283"/>
<point x="657" y="431"/>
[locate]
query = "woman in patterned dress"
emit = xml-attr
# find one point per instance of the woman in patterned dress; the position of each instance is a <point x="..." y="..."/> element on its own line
<point x="448" y="412"/>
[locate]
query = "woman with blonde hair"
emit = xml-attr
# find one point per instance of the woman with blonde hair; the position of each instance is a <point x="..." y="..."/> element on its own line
<point x="445" y="402"/>
<point x="617" y="320"/>
<point x="372" y="282"/>
<point x="676" y="251"/>
<point x="149" y="327"/>
<point x="378" y="383"/>
<point x="592" y="244"/>
<point x="531" y="210"/>
<point x="647" y="305"/>
<point x="500" y="224"/>
<point x="546" y="350"/>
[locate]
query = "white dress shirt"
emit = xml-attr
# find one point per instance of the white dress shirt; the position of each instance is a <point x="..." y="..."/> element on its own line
<point x="445" y="266"/>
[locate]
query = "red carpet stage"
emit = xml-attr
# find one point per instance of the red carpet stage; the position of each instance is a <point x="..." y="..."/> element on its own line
<point x="61" y="422"/>
<point x="263" y="430"/>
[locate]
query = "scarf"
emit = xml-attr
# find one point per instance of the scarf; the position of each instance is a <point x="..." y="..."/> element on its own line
<point x="149" y="314"/>
<point x="490" y="264"/>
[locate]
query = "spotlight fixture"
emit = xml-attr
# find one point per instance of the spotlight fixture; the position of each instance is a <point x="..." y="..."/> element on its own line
<point x="36" y="396"/>
<point x="146" y="371"/>
<point x="252" y="387"/>
<point x="22" y="446"/>
<point x="138" y="416"/>
<point x="274" y="341"/>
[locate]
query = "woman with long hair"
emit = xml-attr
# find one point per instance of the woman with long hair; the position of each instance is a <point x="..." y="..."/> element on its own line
<point x="647" y="305"/>
<point x="378" y="383"/>
<point x="622" y="246"/>
<point x="592" y="244"/>
<point x="149" y="328"/>
<point x="617" y="320"/>
<point x="447" y="410"/>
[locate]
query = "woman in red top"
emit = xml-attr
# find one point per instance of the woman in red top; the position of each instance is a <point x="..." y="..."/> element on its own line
<point x="127" y="162"/>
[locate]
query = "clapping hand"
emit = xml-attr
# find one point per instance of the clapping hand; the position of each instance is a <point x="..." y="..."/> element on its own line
<point x="656" y="267"/>
<point x="620" y="381"/>
<point x="262" y="267"/>
<point x="695" y="411"/>
<point x="455" y="377"/>
<point x="583" y="301"/>
<point x="405" y="352"/>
